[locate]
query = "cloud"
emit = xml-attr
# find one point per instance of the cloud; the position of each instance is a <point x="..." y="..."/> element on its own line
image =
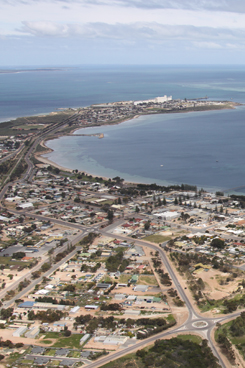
<point x="135" y="31"/>
<point x="236" y="6"/>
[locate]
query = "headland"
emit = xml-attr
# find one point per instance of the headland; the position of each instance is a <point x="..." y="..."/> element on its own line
<point x="118" y="112"/>
<point x="69" y="120"/>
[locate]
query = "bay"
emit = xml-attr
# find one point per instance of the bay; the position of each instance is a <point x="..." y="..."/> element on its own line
<point x="199" y="148"/>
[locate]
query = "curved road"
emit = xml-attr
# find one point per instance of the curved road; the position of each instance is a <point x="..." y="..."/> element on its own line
<point x="195" y="322"/>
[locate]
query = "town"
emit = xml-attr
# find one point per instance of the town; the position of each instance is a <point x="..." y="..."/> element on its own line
<point x="93" y="268"/>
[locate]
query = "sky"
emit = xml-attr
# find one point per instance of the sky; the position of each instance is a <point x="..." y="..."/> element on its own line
<point x="76" y="32"/>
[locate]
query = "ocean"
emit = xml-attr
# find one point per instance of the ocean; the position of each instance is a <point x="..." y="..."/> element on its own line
<point x="204" y="149"/>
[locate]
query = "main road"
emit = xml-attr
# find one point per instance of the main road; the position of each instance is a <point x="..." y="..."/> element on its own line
<point x="195" y="322"/>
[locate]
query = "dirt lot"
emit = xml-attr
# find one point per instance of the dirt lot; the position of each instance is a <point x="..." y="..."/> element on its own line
<point x="213" y="288"/>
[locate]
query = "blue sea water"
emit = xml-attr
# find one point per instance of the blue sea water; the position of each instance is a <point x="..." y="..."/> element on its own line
<point x="25" y="92"/>
<point x="205" y="149"/>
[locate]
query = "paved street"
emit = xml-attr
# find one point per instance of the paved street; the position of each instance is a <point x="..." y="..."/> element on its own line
<point x="194" y="323"/>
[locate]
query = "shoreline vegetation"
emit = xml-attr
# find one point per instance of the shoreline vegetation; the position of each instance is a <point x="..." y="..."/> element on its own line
<point x="70" y="120"/>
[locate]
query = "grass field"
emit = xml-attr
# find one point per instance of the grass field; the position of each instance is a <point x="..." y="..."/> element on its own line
<point x="107" y="279"/>
<point x="170" y="318"/>
<point x="12" y="127"/>
<point x="147" y="280"/>
<point x="157" y="238"/>
<point x="30" y="126"/>
<point x="68" y="342"/>
<point x="8" y="261"/>
<point x="62" y="342"/>
<point x="233" y="339"/>
<point x="194" y="338"/>
<point x="123" y="279"/>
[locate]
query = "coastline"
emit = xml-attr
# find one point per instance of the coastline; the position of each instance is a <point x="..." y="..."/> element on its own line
<point x="47" y="161"/>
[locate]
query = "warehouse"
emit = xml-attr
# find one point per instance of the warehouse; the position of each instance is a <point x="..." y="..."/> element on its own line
<point x="141" y="288"/>
<point x="32" y="333"/>
<point x="84" y="338"/>
<point x="74" y="310"/>
<point x="20" y="331"/>
<point x="115" y="340"/>
<point x="47" y="306"/>
<point x="88" y="307"/>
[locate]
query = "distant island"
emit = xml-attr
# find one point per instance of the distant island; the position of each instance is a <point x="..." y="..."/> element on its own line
<point x="11" y="71"/>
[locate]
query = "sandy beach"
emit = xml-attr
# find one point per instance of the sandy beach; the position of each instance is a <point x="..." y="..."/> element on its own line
<point x="48" y="162"/>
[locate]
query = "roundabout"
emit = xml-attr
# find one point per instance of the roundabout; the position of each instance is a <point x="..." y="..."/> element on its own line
<point x="200" y="324"/>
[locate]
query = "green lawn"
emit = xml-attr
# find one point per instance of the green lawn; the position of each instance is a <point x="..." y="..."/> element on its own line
<point x="170" y="318"/>
<point x="61" y="342"/>
<point x="68" y="342"/>
<point x="27" y="361"/>
<point x="157" y="238"/>
<point x="52" y="335"/>
<point x="54" y="363"/>
<point x="50" y="352"/>
<point x="74" y="354"/>
<point x="8" y="261"/>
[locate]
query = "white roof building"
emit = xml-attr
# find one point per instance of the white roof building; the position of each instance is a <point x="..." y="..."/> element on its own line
<point x="167" y="215"/>
<point x="115" y="340"/>
<point x="20" y="331"/>
<point x="74" y="310"/>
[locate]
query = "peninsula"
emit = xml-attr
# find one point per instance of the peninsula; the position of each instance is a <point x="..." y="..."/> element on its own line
<point x="66" y="121"/>
<point x="94" y="269"/>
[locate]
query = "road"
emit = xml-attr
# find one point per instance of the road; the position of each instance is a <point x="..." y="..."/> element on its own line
<point x="36" y="268"/>
<point x="190" y="325"/>
<point x="194" y="323"/>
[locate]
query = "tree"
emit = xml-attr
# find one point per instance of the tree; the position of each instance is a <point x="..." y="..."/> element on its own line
<point x="67" y="333"/>
<point x="56" y="170"/>
<point x="110" y="215"/>
<point x="6" y="313"/>
<point x="45" y="267"/>
<point x="18" y="255"/>
<point x="218" y="243"/>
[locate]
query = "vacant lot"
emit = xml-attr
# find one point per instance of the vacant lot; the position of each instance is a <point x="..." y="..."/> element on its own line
<point x="157" y="238"/>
